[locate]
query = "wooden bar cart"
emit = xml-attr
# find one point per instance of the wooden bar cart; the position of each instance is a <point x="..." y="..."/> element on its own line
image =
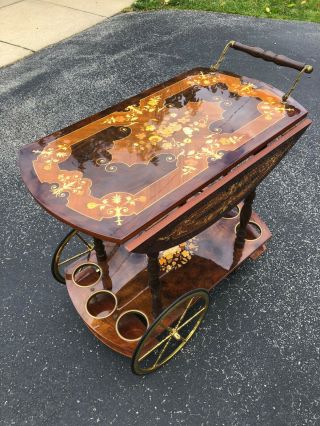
<point x="158" y="191"/>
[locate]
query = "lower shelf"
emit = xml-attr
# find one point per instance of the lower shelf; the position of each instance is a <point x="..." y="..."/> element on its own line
<point x="122" y="291"/>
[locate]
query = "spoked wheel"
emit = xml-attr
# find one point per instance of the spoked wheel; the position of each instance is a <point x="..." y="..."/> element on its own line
<point x="73" y="246"/>
<point x="170" y="331"/>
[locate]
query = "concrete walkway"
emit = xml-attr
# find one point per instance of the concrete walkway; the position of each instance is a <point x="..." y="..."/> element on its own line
<point x="29" y="25"/>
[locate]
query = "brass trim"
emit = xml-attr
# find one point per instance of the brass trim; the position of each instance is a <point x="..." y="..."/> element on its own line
<point x="63" y="262"/>
<point x="89" y="264"/>
<point x="111" y="312"/>
<point x="174" y="333"/>
<point x="216" y="66"/>
<point x="127" y="312"/>
<point x="255" y="223"/>
<point x="234" y="217"/>
<point x="306" y="69"/>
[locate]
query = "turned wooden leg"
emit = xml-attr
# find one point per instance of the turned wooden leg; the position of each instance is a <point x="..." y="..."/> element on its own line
<point x="245" y="216"/>
<point x="100" y="250"/>
<point x="154" y="282"/>
<point x="102" y="260"/>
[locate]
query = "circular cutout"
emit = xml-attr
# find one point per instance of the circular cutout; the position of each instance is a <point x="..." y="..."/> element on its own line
<point x="131" y="325"/>
<point x="232" y="213"/>
<point x="101" y="304"/>
<point x="86" y="274"/>
<point x="254" y="231"/>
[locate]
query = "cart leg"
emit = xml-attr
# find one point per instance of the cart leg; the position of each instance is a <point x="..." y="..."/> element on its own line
<point x="154" y="282"/>
<point x="102" y="260"/>
<point x="100" y="250"/>
<point x="245" y="216"/>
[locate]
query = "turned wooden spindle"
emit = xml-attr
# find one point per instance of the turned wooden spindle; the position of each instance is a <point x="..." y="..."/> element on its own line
<point x="154" y="282"/>
<point x="245" y="216"/>
<point x="100" y="250"/>
<point x="102" y="260"/>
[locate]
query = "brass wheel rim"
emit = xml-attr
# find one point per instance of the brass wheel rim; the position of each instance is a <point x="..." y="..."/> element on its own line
<point x="193" y="307"/>
<point x="58" y="264"/>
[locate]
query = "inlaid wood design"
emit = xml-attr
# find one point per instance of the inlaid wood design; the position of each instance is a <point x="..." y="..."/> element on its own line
<point x="227" y="197"/>
<point x="210" y="263"/>
<point x="177" y="256"/>
<point x="146" y="152"/>
<point x="158" y="172"/>
<point x="204" y="213"/>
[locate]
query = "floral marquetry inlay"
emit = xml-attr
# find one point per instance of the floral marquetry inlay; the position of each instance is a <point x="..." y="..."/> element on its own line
<point x="175" y="133"/>
<point x="177" y="256"/>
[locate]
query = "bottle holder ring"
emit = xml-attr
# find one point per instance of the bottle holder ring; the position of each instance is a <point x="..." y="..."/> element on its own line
<point x="253" y="231"/>
<point x="87" y="274"/>
<point x="232" y="213"/>
<point x="131" y="325"/>
<point x="101" y="304"/>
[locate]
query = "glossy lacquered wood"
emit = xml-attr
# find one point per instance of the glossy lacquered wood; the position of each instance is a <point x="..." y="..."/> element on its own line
<point x="212" y="202"/>
<point x="201" y="263"/>
<point x="117" y="172"/>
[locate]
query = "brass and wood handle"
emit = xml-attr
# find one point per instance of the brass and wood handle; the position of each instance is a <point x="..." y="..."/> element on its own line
<point x="267" y="55"/>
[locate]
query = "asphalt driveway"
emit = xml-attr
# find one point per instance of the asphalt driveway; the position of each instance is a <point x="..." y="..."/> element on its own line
<point x="256" y="359"/>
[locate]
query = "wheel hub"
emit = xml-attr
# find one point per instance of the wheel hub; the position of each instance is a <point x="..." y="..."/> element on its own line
<point x="174" y="333"/>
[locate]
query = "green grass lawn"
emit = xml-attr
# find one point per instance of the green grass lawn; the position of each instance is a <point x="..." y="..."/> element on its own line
<point x="303" y="10"/>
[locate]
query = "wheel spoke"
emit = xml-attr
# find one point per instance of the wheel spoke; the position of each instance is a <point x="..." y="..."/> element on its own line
<point x="90" y="246"/>
<point x="178" y="327"/>
<point x="191" y="318"/>
<point x="171" y="335"/>
<point x="184" y="313"/>
<point x="58" y="264"/>
<point x="154" y="348"/>
<point x="74" y="257"/>
<point x="188" y="310"/>
<point x="162" y="352"/>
